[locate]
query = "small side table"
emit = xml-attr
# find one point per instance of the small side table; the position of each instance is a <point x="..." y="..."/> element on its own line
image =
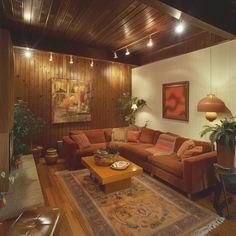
<point x="226" y="182"/>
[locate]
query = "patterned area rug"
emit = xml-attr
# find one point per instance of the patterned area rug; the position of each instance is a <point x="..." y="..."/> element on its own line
<point x="148" y="208"/>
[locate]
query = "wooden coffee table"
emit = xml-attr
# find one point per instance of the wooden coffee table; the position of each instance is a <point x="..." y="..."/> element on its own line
<point x="110" y="179"/>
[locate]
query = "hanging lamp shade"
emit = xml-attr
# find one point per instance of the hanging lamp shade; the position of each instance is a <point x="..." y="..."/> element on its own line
<point x="211" y="104"/>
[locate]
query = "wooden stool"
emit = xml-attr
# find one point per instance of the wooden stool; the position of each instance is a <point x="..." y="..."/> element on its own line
<point x="41" y="221"/>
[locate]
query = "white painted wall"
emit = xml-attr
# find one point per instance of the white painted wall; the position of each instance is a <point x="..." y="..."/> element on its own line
<point x="194" y="67"/>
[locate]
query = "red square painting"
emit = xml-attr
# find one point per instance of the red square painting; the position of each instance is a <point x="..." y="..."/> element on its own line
<point x="175" y="100"/>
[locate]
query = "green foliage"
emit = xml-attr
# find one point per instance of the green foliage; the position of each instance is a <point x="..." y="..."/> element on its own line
<point x="225" y="132"/>
<point x="26" y="125"/>
<point x="125" y="102"/>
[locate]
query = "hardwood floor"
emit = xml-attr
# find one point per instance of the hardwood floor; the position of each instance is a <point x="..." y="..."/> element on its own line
<point x="71" y="224"/>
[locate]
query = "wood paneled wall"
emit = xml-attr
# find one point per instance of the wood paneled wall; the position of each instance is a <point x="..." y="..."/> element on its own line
<point x="33" y="85"/>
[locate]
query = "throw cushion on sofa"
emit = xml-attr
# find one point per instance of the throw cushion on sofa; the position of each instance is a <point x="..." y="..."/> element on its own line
<point x="133" y="136"/>
<point x="119" y="134"/>
<point x="192" y="152"/>
<point x="147" y="135"/>
<point x="81" y="140"/>
<point x="186" y="145"/>
<point x="166" y="143"/>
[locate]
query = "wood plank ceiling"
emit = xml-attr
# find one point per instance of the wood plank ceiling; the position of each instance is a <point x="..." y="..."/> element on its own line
<point x="97" y="28"/>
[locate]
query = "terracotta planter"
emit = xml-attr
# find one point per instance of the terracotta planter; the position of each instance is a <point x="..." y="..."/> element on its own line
<point x="225" y="155"/>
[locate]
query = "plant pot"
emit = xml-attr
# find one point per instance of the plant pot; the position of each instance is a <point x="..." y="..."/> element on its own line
<point x="225" y="155"/>
<point x="51" y="156"/>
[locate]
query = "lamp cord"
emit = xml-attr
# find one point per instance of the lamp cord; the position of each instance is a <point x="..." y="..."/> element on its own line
<point x="210" y="72"/>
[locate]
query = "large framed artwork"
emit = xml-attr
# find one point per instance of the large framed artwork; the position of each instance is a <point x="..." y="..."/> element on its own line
<point x="175" y="101"/>
<point x="71" y="101"/>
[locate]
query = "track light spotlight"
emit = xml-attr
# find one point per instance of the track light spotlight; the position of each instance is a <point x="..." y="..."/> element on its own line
<point x="127" y="52"/>
<point x="50" y="57"/>
<point x="71" y="60"/>
<point x="115" y="55"/>
<point x="91" y="63"/>
<point x="150" y="43"/>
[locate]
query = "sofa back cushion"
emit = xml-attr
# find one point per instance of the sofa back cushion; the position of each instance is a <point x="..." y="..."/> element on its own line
<point x="81" y="140"/>
<point x="108" y="134"/>
<point x="133" y="136"/>
<point x="156" y="136"/>
<point x="119" y="134"/>
<point x="95" y="135"/>
<point x="147" y="135"/>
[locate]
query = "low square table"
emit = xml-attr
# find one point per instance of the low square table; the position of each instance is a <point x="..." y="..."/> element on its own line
<point x="112" y="180"/>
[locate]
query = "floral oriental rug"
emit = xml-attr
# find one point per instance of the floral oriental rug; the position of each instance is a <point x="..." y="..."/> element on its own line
<point x="148" y="208"/>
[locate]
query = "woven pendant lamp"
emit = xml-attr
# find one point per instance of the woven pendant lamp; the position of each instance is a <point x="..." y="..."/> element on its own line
<point x="211" y="104"/>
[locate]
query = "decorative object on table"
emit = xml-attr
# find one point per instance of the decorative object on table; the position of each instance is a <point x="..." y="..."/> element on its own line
<point x="148" y="207"/>
<point x="105" y="157"/>
<point x="71" y="100"/>
<point x="120" y="165"/>
<point x="51" y="156"/>
<point x="129" y="106"/>
<point x="224" y="134"/>
<point x="26" y="126"/>
<point x="211" y="104"/>
<point x="175" y="100"/>
<point x="37" y="153"/>
<point x="3" y="186"/>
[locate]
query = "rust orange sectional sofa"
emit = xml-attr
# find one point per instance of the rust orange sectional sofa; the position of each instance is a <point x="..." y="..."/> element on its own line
<point x="190" y="175"/>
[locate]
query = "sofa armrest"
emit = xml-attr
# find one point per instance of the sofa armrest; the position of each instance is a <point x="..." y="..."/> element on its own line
<point x="198" y="172"/>
<point x="69" y="151"/>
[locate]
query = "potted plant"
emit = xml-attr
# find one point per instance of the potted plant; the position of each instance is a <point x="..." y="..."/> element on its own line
<point x="3" y="193"/>
<point x="26" y="125"/>
<point x="130" y="106"/>
<point x="224" y="134"/>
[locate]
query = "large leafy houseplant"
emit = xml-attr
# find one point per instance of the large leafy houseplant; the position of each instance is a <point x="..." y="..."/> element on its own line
<point x="26" y="125"/>
<point x="129" y="106"/>
<point x="224" y="135"/>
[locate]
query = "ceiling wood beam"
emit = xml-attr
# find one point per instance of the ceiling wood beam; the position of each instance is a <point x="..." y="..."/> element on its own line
<point x="185" y="17"/>
<point x="31" y="38"/>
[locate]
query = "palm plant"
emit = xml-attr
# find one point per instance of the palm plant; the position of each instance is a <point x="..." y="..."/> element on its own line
<point x="224" y="135"/>
<point x="225" y="132"/>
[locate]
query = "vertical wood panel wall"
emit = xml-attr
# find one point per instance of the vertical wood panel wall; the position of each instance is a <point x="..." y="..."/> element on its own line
<point x="33" y="85"/>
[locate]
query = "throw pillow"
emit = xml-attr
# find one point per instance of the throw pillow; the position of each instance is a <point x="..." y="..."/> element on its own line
<point x="133" y="136"/>
<point x="192" y="152"/>
<point x="147" y="135"/>
<point x="119" y="134"/>
<point x="166" y="144"/>
<point x="81" y="140"/>
<point x="186" y="145"/>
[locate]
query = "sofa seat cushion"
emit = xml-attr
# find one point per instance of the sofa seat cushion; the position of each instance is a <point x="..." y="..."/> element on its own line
<point x="169" y="163"/>
<point x="135" y="150"/>
<point x="89" y="150"/>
